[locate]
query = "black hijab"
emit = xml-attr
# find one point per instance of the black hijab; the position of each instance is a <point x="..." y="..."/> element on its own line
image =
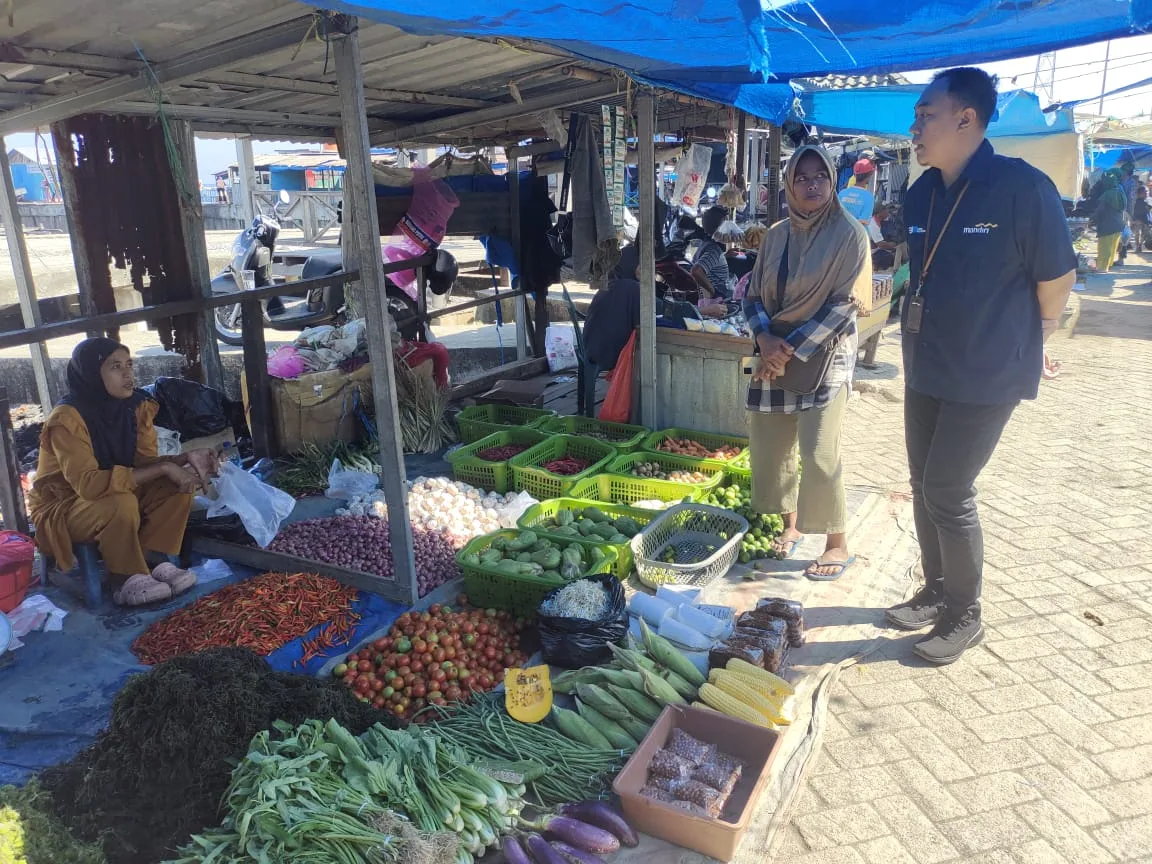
<point x="111" y="422"/>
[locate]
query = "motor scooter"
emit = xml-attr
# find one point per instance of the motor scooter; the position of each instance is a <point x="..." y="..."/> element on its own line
<point x="251" y="268"/>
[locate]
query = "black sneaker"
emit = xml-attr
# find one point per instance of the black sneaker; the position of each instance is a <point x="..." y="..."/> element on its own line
<point x="951" y="637"/>
<point x="919" y="611"/>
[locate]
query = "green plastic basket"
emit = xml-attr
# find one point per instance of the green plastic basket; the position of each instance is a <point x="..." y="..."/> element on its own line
<point x="469" y="468"/>
<point x="624" y="437"/>
<point x="478" y="421"/>
<point x="520" y="595"/>
<point x="623" y="465"/>
<point x="625" y="489"/>
<point x="537" y="513"/>
<point x="527" y="475"/>
<point x="708" y="439"/>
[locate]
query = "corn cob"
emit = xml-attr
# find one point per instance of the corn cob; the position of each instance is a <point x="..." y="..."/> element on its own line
<point x="716" y="698"/>
<point x="579" y="729"/>
<point x="603" y="701"/>
<point x="704" y="707"/>
<point x="735" y="686"/>
<point x="664" y="653"/>
<point x="606" y="727"/>
<point x="754" y="684"/>
<point x="566" y="682"/>
<point x="773" y="682"/>
<point x="660" y="690"/>
<point x="636" y="702"/>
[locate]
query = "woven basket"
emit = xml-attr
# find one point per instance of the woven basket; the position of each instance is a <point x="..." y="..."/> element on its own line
<point x="688" y="525"/>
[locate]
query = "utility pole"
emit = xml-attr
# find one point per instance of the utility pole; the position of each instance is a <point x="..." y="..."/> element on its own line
<point x="1104" y="79"/>
<point x="1044" y="83"/>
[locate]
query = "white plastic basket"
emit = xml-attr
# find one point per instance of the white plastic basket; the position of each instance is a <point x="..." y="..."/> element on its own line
<point x="686" y="525"/>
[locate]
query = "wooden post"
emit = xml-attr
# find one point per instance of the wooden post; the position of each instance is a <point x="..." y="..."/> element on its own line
<point x="646" y="172"/>
<point x="741" y="143"/>
<point x="196" y="246"/>
<point x="70" y="197"/>
<point x="774" y="144"/>
<point x="247" y="169"/>
<point x="360" y="198"/>
<point x="25" y="285"/>
<point x="11" y="496"/>
<point x="521" y="303"/>
<point x="256" y="379"/>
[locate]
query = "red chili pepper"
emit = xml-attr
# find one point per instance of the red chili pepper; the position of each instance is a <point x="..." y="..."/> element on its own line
<point x="501" y="454"/>
<point x="566" y="465"/>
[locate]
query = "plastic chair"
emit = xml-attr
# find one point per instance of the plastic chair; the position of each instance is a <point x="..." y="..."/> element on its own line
<point x="86" y="576"/>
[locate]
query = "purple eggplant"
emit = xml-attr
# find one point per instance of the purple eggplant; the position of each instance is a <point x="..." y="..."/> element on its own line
<point x="575" y="856"/>
<point x="513" y="852"/>
<point x="603" y="815"/>
<point x="581" y="835"/>
<point x="541" y="852"/>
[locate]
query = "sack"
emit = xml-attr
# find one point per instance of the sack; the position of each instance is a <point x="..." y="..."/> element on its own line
<point x="347" y="483"/>
<point x="560" y="347"/>
<point x="801" y="377"/>
<point x="692" y="176"/>
<point x="617" y="404"/>
<point x="260" y="507"/>
<point x="576" y="642"/>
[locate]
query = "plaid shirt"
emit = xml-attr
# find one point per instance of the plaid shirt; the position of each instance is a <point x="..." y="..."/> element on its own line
<point x="833" y="319"/>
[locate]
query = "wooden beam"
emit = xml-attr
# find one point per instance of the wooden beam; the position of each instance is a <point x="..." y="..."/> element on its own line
<point x="70" y="195"/>
<point x="11" y="494"/>
<point x="196" y="248"/>
<point x="185" y="68"/>
<point x="21" y="55"/>
<point x="228" y="129"/>
<point x="509" y="111"/>
<point x="323" y="88"/>
<point x="775" y="144"/>
<point x="360" y="198"/>
<point x="741" y="143"/>
<point x="223" y="115"/>
<point x="256" y="377"/>
<point x="646" y="172"/>
<point x="46" y="386"/>
<point x="247" y="166"/>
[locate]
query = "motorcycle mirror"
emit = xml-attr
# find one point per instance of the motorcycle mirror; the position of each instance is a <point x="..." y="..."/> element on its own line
<point x="284" y="199"/>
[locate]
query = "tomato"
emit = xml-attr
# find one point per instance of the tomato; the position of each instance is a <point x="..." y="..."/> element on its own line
<point x="452" y="693"/>
<point x="408" y="679"/>
<point x="490" y="653"/>
<point x="396" y="698"/>
<point x="388" y="692"/>
<point x="485" y="681"/>
<point x="438" y="655"/>
<point x="468" y="627"/>
<point x="362" y="682"/>
<point x="491" y="613"/>
<point x="364" y="665"/>
<point x="404" y="670"/>
<point x="380" y="645"/>
<point x="419" y="691"/>
<point x="339" y="670"/>
<point x="433" y="638"/>
<point x="438" y="700"/>
<point x="435" y="608"/>
<point x="469" y="638"/>
<point x="419" y="646"/>
<point x="453" y="673"/>
<point x="438" y="675"/>
<point x="417" y="666"/>
<point x="378" y="703"/>
<point x="482" y="629"/>
<point x="450" y="653"/>
<point x="377" y="685"/>
<point x="404" y="645"/>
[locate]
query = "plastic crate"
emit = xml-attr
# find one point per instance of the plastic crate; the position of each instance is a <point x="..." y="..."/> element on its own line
<point x="624" y="437"/>
<point x="708" y="439"/>
<point x="537" y="513"/>
<point x="478" y="421"/>
<point x="15" y="580"/>
<point x="469" y="468"/>
<point x="688" y="524"/>
<point x="623" y="465"/>
<point x="626" y="489"/>
<point x="488" y="587"/>
<point x="530" y="477"/>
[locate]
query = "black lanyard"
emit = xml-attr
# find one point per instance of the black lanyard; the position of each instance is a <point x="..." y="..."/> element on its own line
<point x="930" y="248"/>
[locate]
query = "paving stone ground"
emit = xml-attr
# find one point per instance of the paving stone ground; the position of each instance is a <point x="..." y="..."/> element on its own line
<point x="1037" y="746"/>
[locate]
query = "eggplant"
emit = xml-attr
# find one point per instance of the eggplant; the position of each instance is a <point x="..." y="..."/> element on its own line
<point x="513" y="852"/>
<point x="603" y="815"/>
<point x="541" y="852"/>
<point x="575" y="856"/>
<point x="582" y="835"/>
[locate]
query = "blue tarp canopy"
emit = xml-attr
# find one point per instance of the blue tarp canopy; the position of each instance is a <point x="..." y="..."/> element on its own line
<point x="887" y="112"/>
<point x="751" y="41"/>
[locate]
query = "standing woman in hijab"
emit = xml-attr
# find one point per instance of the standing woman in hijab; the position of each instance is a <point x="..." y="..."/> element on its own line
<point x="826" y="266"/>
<point x="100" y="478"/>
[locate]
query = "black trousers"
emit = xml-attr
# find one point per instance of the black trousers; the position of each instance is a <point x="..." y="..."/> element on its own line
<point x="949" y="443"/>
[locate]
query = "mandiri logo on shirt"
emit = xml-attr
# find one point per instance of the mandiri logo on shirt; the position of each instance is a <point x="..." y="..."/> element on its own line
<point x="915" y="229"/>
<point x="981" y="228"/>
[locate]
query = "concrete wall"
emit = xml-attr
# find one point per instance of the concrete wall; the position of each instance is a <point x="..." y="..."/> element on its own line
<point x="45" y="217"/>
<point x="222" y="217"/>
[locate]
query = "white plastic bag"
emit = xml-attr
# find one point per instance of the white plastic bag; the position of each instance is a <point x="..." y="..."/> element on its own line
<point x="167" y="442"/>
<point x="511" y="512"/>
<point x="260" y="507"/>
<point x="560" y="346"/>
<point x="692" y="176"/>
<point x="347" y="483"/>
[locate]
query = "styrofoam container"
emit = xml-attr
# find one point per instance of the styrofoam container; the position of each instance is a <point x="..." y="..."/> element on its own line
<point x="699" y="660"/>
<point x="651" y="609"/>
<point x="706" y="624"/>
<point x="683" y="635"/>
<point x="724" y="614"/>
<point x="678" y="595"/>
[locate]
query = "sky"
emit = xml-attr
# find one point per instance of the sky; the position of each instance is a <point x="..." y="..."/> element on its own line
<point x="1079" y="75"/>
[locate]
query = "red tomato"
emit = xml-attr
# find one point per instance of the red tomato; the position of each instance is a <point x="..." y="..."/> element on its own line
<point x="419" y="691"/>
<point x="450" y="653"/>
<point x="482" y="629"/>
<point x="364" y="665"/>
<point x="379" y="702"/>
<point x="417" y="666"/>
<point x="468" y="627"/>
<point x="490" y="653"/>
<point x="433" y="638"/>
<point x="435" y="608"/>
<point x="453" y="673"/>
<point x="438" y="700"/>
<point x="438" y="655"/>
<point x="380" y="644"/>
<point x="377" y="685"/>
<point x="437" y="675"/>
<point x="404" y="670"/>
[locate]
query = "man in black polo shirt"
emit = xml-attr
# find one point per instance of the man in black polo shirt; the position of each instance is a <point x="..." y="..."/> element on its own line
<point x="992" y="264"/>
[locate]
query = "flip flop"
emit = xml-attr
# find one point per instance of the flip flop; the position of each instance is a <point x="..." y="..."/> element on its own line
<point x="140" y="590"/>
<point x="791" y="549"/>
<point x="830" y="577"/>
<point x="175" y="578"/>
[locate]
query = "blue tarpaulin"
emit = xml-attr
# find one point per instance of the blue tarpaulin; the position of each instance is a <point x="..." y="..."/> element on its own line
<point x="745" y="41"/>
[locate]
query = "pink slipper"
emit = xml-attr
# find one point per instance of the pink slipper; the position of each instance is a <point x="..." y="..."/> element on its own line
<point x="141" y="590"/>
<point x="175" y="578"/>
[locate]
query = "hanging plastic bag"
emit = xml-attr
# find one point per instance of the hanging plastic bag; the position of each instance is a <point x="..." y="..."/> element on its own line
<point x="347" y="483"/>
<point x="260" y="507"/>
<point x="560" y="347"/>
<point x="423" y="226"/>
<point x="617" y="405"/>
<point x="692" y="175"/>
<point x="577" y="642"/>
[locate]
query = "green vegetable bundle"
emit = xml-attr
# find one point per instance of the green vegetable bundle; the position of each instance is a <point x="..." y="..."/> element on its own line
<point x="592" y="523"/>
<point x="526" y="554"/>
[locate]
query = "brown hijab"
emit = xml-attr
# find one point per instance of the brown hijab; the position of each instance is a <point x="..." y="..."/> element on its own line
<point x="828" y="253"/>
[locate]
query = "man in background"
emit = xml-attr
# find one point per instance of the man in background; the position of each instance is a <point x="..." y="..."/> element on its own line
<point x="709" y="266"/>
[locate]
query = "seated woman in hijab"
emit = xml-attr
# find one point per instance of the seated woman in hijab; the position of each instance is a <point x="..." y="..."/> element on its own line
<point x="99" y="479"/>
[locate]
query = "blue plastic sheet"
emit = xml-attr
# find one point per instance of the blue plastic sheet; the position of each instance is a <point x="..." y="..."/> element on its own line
<point x="375" y="614"/>
<point x="754" y="41"/>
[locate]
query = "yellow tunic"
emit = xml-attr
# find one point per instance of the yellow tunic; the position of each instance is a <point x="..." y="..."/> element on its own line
<point x="75" y="501"/>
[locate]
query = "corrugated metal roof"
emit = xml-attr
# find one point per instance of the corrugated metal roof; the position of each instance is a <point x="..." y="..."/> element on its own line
<point x="62" y="47"/>
<point x="853" y="82"/>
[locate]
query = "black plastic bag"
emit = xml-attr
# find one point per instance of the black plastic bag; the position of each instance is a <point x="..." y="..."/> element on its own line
<point x="188" y="407"/>
<point x="576" y="642"/>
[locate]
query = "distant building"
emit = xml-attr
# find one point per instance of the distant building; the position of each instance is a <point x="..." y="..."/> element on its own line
<point x="294" y="171"/>
<point x="29" y="176"/>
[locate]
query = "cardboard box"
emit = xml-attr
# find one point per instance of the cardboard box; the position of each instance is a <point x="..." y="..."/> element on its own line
<point x="319" y="407"/>
<point x="755" y="746"/>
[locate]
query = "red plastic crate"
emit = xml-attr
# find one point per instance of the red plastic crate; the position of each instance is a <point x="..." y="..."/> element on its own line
<point x="15" y="580"/>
